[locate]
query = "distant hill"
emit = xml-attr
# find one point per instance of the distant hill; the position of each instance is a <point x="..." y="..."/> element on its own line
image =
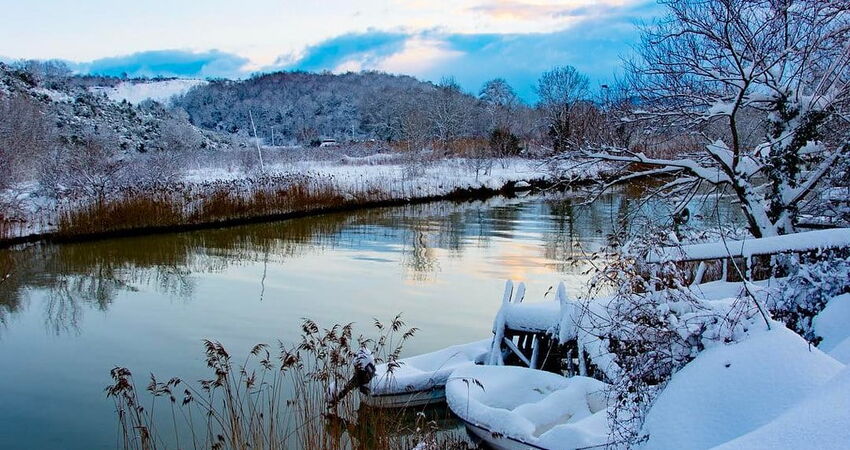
<point x="286" y="107"/>
<point x="303" y="107"/>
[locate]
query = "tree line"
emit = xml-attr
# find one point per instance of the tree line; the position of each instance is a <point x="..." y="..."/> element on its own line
<point x="300" y="108"/>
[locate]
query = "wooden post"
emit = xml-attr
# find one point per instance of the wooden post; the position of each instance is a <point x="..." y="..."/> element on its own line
<point x="495" y="358"/>
<point x="510" y="344"/>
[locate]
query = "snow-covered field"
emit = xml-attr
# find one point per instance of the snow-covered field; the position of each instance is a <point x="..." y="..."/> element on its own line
<point x="731" y="391"/>
<point x="137" y="92"/>
<point x="404" y="180"/>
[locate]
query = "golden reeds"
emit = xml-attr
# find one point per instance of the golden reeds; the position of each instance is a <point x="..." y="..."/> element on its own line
<point x="276" y="401"/>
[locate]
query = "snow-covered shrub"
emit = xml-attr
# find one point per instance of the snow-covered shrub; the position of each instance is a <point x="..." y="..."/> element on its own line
<point x="654" y="325"/>
<point x="94" y="166"/>
<point x="812" y="281"/>
<point x="157" y="167"/>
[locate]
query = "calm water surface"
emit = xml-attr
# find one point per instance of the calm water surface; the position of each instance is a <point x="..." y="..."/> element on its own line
<point x="70" y="313"/>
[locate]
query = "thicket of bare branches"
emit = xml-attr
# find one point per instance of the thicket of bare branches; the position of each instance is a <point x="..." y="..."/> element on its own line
<point x="763" y="86"/>
<point x="653" y="325"/>
<point x="25" y="132"/>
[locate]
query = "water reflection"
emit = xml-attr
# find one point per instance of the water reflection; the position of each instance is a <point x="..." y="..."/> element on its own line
<point x="91" y="275"/>
<point x="69" y="313"/>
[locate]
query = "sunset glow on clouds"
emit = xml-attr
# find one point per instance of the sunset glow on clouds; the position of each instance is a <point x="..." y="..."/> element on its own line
<point x="472" y="40"/>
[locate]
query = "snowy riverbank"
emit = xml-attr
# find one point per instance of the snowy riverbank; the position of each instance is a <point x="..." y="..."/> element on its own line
<point x="228" y="195"/>
<point x="734" y="364"/>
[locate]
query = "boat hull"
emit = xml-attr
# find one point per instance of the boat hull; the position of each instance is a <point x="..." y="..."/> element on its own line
<point x="497" y="441"/>
<point x="406" y="399"/>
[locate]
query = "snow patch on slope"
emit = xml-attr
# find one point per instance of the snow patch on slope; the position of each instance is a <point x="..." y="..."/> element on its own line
<point x="137" y="92"/>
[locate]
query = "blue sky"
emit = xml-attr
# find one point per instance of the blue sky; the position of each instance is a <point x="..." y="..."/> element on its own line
<point x="472" y="40"/>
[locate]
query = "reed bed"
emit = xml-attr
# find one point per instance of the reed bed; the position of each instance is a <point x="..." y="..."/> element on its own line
<point x="285" y="399"/>
<point x="181" y="204"/>
<point x="11" y="225"/>
<point x="7" y="266"/>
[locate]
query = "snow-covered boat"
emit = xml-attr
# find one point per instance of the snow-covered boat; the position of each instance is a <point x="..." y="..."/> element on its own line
<point x="421" y="379"/>
<point x="512" y="407"/>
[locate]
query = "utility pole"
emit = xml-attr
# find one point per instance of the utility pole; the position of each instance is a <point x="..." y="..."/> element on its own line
<point x="257" y="141"/>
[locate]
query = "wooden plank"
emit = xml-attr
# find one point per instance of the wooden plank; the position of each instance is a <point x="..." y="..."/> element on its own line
<point x="535" y="353"/>
<point x="699" y="274"/>
<point x="510" y="344"/>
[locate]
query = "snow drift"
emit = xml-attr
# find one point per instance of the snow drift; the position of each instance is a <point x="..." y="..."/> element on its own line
<point x="731" y="390"/>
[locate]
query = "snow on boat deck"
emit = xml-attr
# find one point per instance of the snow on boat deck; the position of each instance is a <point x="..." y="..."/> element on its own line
<point x="421" y="374"/>
<point x="527" y="407"/>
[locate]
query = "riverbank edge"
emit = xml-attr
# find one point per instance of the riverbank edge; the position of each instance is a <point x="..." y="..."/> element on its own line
<point x="461" y="194"/>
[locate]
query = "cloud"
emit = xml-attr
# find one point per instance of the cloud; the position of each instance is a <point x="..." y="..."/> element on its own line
<point x="420" y="55"/>
<point x="171" y="63"/>
<point x="593" y="44"/>
<point x="527" y="11"/>
<point x="351" y="51"/>
<point x="495" y="39"/>
<point x="594" y="48"/>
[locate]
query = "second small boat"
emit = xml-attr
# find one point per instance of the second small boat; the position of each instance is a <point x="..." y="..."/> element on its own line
<point x="421" y="379"/>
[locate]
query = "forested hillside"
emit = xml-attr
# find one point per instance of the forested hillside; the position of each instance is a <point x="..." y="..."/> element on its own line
<point x="55" y="130"/>
<point x="303" y="107"/>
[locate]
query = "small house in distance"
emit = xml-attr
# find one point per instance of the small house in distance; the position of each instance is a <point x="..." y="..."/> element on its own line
<point x="329" y="143"/>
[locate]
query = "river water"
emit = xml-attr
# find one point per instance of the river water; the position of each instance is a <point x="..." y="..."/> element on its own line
<point x="69" y="313"/>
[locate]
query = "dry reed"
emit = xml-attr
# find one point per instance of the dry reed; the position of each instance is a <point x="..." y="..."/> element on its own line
<point x="275" y="401"/>
<point x="182" y="204"/>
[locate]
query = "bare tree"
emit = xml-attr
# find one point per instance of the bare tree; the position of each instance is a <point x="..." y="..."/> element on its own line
<point x="501" y="100"/>
<point x="447" y="112"/>
<point x="95" y="169"/>
<point x="763" y="84"/>
<point x="411" y="124"/>
<point x="560" y="89"/>
<point x="616" y="102"/>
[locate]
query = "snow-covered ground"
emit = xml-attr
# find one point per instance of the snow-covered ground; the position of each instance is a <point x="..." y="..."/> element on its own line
<point x="819" y="420"/>
<point x="731" y="390"/>
<point x="407" y="180"/>
<point x="136" y="92"/>
<point x="833" y="325"/>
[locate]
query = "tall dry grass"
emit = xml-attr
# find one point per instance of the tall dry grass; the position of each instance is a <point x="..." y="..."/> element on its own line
<point x="181" y="204"/>
<point x="275" y="400"/>
<point x="7" y="266"/>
